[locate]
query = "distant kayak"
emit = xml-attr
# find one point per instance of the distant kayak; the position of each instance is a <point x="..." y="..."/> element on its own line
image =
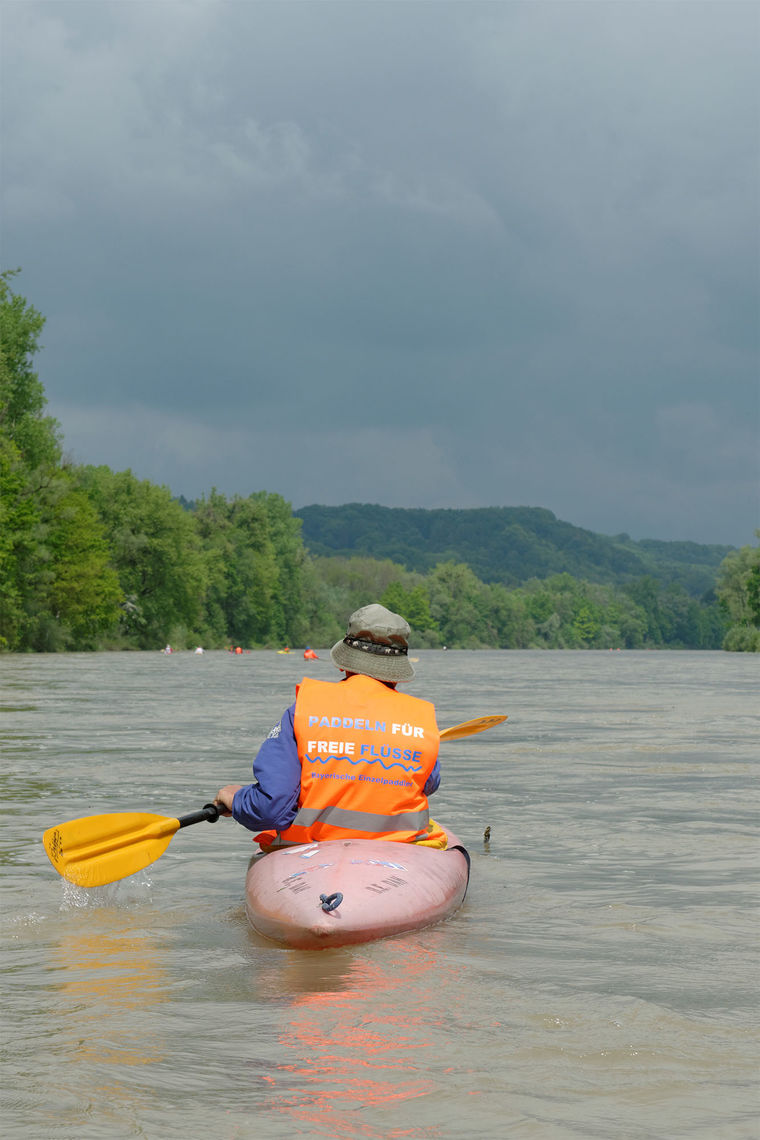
<point x="345" y="891"/>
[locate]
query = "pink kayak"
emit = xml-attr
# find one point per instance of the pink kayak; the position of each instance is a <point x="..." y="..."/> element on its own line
<point x="342" y="891"/>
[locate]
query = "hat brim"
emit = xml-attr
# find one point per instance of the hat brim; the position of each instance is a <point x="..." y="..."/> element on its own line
<point x="397" y="668"/>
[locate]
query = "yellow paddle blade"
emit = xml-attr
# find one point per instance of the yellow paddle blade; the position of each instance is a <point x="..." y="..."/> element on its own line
<point x="471" y="727"/>
<point x="99" y="849"/>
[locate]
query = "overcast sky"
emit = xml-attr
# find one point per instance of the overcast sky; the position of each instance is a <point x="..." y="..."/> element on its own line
<point x="439" y="254"/>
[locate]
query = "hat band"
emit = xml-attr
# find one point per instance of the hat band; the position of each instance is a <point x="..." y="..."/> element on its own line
<point x="374" y="647"/>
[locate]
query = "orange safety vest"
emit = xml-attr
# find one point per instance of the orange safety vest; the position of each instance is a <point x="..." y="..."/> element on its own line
<point x="366" y="752"/>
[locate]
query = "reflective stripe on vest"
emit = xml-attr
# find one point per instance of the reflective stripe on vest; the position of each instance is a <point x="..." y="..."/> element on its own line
<point x="363" y="820"/>
<point x="366" y="752"/>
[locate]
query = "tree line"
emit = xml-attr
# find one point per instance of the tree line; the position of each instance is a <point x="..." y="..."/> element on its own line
<point x="96" y="559"/>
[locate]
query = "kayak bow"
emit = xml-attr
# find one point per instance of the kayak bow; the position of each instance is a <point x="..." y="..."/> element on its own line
<point x="345" y="891"/>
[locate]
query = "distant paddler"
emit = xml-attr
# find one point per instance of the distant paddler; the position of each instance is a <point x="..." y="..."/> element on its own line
<point x="309" y="654"/>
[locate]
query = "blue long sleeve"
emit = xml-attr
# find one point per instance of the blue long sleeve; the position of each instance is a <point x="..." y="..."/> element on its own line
<point x="271" y="801"/>
<point x="433" y="781"/>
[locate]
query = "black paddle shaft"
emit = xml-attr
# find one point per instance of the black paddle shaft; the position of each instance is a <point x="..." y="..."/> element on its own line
<point x="209" y="812"/>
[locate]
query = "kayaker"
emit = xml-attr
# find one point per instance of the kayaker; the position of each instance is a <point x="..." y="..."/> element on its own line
<point x="354" y="758"/>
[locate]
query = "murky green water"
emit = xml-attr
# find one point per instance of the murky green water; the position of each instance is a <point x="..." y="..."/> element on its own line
<point x="600" y="980"/>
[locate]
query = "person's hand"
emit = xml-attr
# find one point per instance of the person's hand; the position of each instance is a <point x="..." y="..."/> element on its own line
<point x="224" y="797"/>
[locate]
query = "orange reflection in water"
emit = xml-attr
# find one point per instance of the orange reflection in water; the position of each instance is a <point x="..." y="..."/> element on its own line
<point x="109" y="975"/>
<point x="363" y="1035"/>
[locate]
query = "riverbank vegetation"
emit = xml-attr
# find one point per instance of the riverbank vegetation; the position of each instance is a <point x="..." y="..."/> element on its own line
<point x="96" y="559"/>
<point x="738" y="590"/>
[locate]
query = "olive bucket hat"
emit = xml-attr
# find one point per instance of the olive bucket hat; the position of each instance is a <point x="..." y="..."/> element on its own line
<point x="376" y="644"/>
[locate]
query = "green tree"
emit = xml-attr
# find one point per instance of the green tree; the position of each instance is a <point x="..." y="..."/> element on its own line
<point x="76" y="597"/>
<point x="515" y="628"/>
<point x="459" y="604"/>
<point x="646" y="594"/>
<point x="753" y="593"/>
<point x="156" y="553"/>
<point x="625" y="623"/>
<point x="586" y="623"/>
<point x="256" y="566"/>
<point x="290" y="612"/>
<point x="738" y="592"/>
<point x="28" y="452"/>
<point x="413" y="604"/>
<point x="22" y="395"/>
<point x="345" y="584"/>
<point x="19" y="519"/>
<point x="56" y="589"/>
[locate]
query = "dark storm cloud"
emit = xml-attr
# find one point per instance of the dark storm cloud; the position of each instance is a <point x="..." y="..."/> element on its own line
<point x="419" y="254"/>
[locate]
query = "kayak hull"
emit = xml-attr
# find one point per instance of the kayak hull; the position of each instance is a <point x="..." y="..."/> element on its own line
<point x="346" y="891"/>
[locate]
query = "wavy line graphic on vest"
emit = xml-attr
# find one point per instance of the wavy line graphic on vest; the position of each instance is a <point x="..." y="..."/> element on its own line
<point x="368" y="760"/>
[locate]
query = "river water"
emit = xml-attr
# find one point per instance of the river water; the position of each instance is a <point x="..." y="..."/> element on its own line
<point x="601" y="979"/>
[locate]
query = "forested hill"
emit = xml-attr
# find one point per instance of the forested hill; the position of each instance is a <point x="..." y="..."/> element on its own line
<point x="504" y="544"/>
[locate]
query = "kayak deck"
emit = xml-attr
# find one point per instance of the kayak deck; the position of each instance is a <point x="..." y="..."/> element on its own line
<point x="346" y="891"/>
